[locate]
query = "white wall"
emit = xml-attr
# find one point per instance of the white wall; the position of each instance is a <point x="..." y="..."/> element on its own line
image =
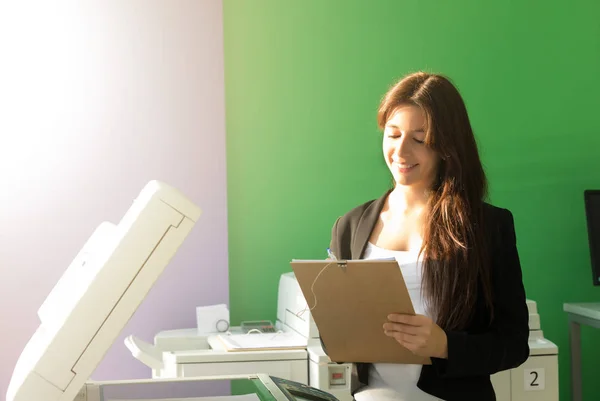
<point x="96" y="99"/>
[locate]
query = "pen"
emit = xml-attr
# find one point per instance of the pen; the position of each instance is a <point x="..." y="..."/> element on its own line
<point x="330" y="254"/>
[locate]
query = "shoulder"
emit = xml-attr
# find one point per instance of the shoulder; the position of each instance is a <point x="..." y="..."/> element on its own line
<point x="351" y="219"/>
<point x="496" y="214"/>
<point x="353" y="216"/>
<point x="498" y="222"/>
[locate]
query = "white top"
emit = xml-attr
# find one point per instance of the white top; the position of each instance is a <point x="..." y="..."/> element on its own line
<point x="397" y="382"/>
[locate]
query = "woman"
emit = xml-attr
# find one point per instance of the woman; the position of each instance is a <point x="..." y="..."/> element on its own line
<point x="457" y="253"/>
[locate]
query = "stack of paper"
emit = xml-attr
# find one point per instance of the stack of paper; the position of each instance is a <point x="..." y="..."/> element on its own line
<point x="263" y="341"/>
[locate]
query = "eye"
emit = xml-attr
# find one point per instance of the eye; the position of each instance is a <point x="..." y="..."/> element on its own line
<point x="419" y="141"/>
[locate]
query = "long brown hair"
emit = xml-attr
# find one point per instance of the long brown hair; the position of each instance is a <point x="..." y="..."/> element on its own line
<point x="455" y="262"/>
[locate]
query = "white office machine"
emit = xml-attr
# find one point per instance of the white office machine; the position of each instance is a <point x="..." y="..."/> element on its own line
<point x="98" y="294"/>
<point x="537" y="378"/>
<point x="188" y="353"/>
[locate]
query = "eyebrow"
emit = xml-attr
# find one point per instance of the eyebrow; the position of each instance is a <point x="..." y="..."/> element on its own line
<point x="420" y="130"/>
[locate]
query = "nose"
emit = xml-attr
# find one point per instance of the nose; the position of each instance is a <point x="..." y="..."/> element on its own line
<point x="403" y="146"/>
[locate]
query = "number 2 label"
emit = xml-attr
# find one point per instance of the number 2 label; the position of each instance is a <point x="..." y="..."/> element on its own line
<point x="534" y="379"/>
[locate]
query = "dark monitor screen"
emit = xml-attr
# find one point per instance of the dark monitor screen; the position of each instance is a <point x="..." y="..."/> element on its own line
<point x="592" y="213"/>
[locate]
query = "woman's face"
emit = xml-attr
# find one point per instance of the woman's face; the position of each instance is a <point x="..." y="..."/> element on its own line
<point x="411" y="162"/>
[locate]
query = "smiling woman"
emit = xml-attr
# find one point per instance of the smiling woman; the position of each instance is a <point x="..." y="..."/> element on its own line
<point x="457" y="253"/>
<point x="410" y="161"/>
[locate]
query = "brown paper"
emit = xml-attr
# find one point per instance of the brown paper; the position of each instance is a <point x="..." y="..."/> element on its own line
<point x="350" y="302"/>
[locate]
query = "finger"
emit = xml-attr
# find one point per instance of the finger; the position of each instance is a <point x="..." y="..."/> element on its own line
<point x="414" y="348"/>
<point x="412" y="338"/>
<point x="413" y="343"/>
<point x="409" y="339"/>
<point x="403" y="328"/>
<point x="404" y="338"/>
<point x="413" y="320"/>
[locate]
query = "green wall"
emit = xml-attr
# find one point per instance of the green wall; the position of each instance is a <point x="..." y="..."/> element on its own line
<point x="303" y="82"/>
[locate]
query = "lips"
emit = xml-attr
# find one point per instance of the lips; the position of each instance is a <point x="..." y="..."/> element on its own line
<point x="405" y="167"/>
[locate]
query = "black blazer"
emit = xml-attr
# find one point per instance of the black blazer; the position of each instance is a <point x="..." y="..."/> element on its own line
<point x="480" y="350"/>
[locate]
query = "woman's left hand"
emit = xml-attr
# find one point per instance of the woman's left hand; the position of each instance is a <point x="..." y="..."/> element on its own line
<point x="419" y="334"/>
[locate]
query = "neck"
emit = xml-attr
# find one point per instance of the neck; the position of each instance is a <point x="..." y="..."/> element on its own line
<point x="408" y="199"/>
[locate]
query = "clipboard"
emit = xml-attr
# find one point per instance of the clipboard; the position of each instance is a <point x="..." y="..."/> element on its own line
<point x="350" y="301"/>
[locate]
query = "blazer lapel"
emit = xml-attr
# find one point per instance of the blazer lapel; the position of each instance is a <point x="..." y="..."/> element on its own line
<point x="365" y="226"/>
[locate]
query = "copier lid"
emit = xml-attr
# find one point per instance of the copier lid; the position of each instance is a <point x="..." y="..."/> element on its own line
<point x="98" y="294"/>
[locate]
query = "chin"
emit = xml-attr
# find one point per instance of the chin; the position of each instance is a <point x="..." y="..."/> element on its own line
<point x="403" y="183"/>
<point x="408" y="183"/>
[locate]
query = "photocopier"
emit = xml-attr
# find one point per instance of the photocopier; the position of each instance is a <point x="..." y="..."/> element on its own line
<point x="189" y="353"/>
<point x="96" y="296"/>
